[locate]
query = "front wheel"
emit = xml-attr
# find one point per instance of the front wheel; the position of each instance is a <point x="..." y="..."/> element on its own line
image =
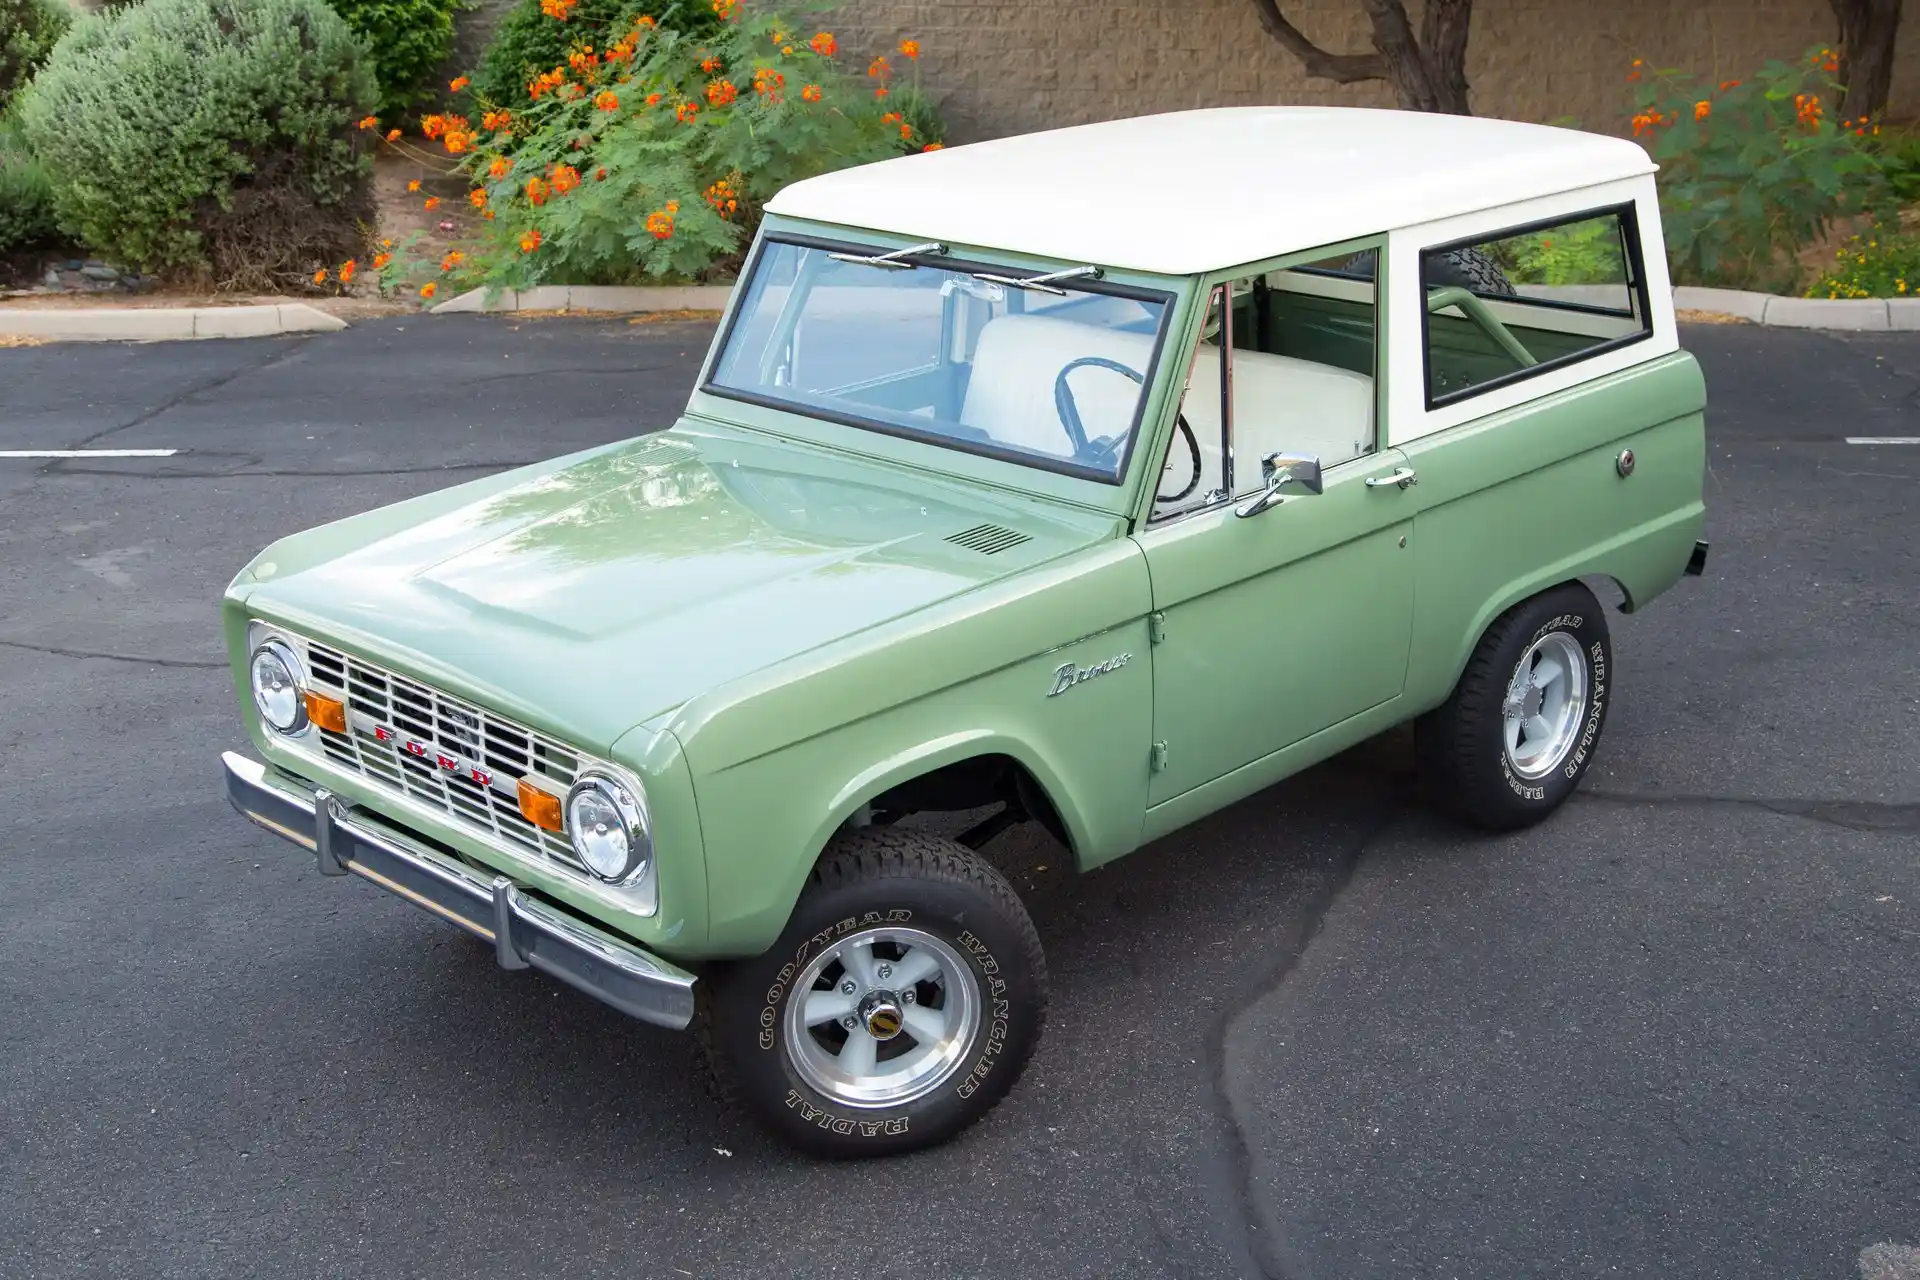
<point x="1520" y="728"/>
<point x="899" y="1006"/>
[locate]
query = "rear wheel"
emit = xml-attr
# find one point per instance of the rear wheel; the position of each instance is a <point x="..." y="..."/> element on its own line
<point x="1520" y="728"/>
<point x="899" y="1006"/>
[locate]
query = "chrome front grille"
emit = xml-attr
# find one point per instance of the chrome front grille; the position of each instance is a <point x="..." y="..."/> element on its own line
<point x="387" y="711"/>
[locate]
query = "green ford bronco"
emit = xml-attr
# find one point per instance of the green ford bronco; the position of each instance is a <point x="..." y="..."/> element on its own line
<point x="1095" y="478"/>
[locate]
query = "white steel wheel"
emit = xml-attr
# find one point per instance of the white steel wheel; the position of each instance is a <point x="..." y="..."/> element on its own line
<point x="1545" y="705"/>
<point x="882" y="1017"/>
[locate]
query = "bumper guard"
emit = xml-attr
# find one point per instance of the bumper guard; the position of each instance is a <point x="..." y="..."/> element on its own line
<point x="525" y="933"/>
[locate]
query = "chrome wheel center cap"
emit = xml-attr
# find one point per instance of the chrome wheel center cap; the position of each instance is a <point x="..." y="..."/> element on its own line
<point x="880" y="1011"/>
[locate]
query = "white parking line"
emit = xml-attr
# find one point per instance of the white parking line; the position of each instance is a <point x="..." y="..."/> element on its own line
<point x="1883" y="439"/>
<point x="87" y="453"/>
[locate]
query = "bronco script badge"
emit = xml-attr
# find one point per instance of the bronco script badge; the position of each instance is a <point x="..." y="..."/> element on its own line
<point x="1070" y="675"/>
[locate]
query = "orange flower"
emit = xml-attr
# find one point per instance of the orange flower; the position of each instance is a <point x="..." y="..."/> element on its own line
<point x="600" y="174"/>
<point x="892" y="117"/>
<point x="721" y="93"/>
<point x="433" y="202"/>
<point x="685" y="112"/>
<point x="787" y="49"/>
<point x="477" y="197"/>
<point x="414" y="185"/>
<point x="881" y="92"/>
<point x="370" y="122"/>
<point x="1729" y="84"/>
<point x="393" y="135"/>
<point x="347" y="269"/>
<point x="811" y="93"/>
<point x="724" y="9"/>
<point x="557" y="9"/>
<point x="565" y="179"/>
<point x="433" y="126"/>
<point x="768" y="83"/>
<point x="488" y="215"/>
<point x="643" y="23"/>
<point x="500" y="167"/>
<point x="428" y="289"/>
<point x="906" y="131"/>
<point x="453" y="259"/>
<point x="710" y="65"/>
<point x="909" y="49"/>
<point x="1826" y="60"/>
<point x="607" y="100"/>
<point x="458" y="83"/>
<point x="824" y="44"/>
<point x="1702" y="109"/>
<point x="536" y="191"/>
<point x="530" y="241"/>
<point x="380" y="260"/>
<point x="724" y="197"/>
<point x="583" y="60"/>
<point x="879" y="68"/>
<point x="653" y="99"/>
<point x="1807" y="108"/>
<point x="320" y="276"/>
<point x="659" y="224"/>
<point x="495" y="121"/>
<point x="458" y="141"/>
<point x="935" y="146"/>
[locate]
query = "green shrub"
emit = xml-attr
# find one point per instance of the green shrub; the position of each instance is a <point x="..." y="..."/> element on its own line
<point x="408" y="39"/>
<point x="28" y="31"/>
<point x="1751" y="170"/>
<point x="212" y="139"/>
<point x="1899" y="157"/>
<point x="26" y="196"/>
<point x="528" y="41"/>
<point x="1880" y="264"/>
<point x="652" y="155"/>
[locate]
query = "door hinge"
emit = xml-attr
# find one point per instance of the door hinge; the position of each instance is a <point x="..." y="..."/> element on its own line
<point x="1156" y="627"/>
<point x="1159" y="757"/>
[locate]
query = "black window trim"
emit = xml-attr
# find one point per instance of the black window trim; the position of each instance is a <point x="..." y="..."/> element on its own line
<point x="1058" y="466"/>
<point x="1628" y="213"/>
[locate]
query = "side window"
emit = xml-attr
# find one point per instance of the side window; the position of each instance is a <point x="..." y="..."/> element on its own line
<point x="1534" y="298"/>
<point x="1300" y="343"/>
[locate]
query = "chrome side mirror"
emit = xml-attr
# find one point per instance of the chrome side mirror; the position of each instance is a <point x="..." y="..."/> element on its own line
<point x="1281" y="470"/>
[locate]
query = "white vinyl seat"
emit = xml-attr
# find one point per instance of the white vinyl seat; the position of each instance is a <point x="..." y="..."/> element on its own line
<point x="1015" y="364"/>
<point x="1280" y="404"/>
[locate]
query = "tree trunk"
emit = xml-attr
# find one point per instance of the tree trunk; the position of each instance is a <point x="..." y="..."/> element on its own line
<point x="1427" y="74"/>
<point x="1867" y="31"/>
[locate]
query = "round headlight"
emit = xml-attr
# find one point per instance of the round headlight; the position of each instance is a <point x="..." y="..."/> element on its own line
<point x="278" y="689"/>
<point x="607" y="820"/>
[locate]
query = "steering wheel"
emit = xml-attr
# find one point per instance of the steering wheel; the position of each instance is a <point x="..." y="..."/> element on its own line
<point x="1193" y="451"/>
<point x="1098" y="451"/>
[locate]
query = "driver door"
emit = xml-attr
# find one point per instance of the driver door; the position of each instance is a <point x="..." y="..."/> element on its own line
<point x="1277" y="625"/>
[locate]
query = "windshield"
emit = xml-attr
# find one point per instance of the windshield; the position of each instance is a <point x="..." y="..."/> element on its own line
<point x="1051" y="376"/>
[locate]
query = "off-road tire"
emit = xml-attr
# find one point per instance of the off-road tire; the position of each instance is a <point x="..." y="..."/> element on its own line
<point x="1461" y="746"/>
<point x="1468" y="267"/>
<point x="867" y="878"/>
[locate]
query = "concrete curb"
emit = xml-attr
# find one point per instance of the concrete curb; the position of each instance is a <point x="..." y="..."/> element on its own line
<point x="1775" y="311"/>
<point x="615" y="299"/>
<point x="159" y="324"/>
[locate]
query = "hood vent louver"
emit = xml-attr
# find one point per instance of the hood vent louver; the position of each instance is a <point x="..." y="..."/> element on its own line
<point x="987" y="539"/>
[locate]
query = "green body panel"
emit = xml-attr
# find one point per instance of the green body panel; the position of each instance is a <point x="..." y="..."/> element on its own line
<point x="1278" y="625"/>
<point x="1520" y="501"/>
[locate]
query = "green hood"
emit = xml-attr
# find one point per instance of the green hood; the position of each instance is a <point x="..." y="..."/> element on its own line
<point x="591" y="597"/>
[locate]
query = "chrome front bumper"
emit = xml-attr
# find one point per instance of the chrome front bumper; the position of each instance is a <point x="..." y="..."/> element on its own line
<point x="525" y="933"/>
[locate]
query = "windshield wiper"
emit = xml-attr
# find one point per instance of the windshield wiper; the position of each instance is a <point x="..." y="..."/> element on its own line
<point x="1042" y="283"/>
<point x="891" y="261"/>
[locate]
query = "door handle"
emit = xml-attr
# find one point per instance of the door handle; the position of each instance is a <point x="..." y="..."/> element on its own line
<point x="1402" y="478"/>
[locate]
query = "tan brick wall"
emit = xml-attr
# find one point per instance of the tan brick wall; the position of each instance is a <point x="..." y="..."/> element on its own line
<point x="1010" y="66"/>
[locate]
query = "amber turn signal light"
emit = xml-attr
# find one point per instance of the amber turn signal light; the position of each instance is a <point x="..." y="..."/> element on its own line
<point x="328" y="713"/>
<point x="540" y="807"/>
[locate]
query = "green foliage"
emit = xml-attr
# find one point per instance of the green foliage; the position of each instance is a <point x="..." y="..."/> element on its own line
<point x="1586" y="252"/>
<point x="408" y="39"/>
<point x="654" y="158"/>
<point x="1880" y="264"/>
<point x="528" y="42"/>
<point x="1899" y="157"/>
<point x="208" y="138"/>
<point x="26" y="196"/>
<point x="922" y="116"/>
<point x="1753" y="169"/>
<point x="28" y="31"/>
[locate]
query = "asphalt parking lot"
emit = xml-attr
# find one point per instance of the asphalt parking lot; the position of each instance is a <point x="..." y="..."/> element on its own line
<point x="1675" y="1031"/>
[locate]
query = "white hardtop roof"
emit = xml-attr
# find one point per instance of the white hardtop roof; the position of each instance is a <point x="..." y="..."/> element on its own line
<point x="1195" y="191"/>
